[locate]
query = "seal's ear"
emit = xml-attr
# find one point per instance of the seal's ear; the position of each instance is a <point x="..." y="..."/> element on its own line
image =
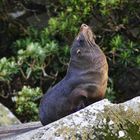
<point x="78" y="52"/>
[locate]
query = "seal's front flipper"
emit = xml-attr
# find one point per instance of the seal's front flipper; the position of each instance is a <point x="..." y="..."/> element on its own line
<point x="77" y="98"/>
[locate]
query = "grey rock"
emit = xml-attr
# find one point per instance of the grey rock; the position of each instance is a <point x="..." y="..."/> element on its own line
<point x="81" y="125"/>
<point x="41" y="2"/>
<point x="17" y="14"/>
<point x="7" y="117"/>
<point x="38" y="21"/>
<point x="14" y="130"/>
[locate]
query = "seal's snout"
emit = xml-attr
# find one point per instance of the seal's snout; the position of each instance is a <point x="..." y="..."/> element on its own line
<point x="86" y="31"/>
<point x="83" y="27"/>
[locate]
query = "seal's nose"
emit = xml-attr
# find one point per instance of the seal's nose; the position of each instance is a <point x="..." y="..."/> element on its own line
<point x="83" y="26"/>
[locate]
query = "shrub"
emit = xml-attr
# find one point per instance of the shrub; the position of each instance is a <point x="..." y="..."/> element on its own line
<point x="40" y="58"/>
<point x="7" y="69"/>
<point x="27" y="103"/>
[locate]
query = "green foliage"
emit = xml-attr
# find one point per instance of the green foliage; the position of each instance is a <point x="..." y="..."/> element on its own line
<point x="123" y="51"/>
<point x="110" y="93"/>
<point x="39" y="58"/>
<point x="7" y="69"/>
<point x="36" y="56"/>
<point x="76" y="11"/>
<point x="26" y="103"/>
<point x="108" y="5"/>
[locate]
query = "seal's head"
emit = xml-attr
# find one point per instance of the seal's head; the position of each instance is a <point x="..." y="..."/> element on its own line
<point x="83" y="46"/>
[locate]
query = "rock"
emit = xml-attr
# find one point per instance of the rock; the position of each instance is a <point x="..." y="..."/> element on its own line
<point x="13" y="130"/>
<point x="42" y="2"/>
<point x="38" y="21"/>
<point x="90" y="123"/>
<point x="17" y="14"/>
<point x="6" y="117"/>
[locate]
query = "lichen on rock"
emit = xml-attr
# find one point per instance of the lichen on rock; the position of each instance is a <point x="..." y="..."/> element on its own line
<point x="7" y="117"/>
<point x="101" y="120"/>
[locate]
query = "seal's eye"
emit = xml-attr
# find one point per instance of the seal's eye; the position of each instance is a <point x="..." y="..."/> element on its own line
<point x="81" y="41"/>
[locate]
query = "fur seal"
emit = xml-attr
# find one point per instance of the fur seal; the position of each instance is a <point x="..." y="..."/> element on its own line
<point x="84" y="83"/>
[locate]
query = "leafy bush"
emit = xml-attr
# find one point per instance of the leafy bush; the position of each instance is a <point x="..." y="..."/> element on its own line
<point x="39" y="58"/>
<point x="124" y="51"/>
<point x="110" y="93"/>
<point x="7" y="69"/>
<point x="32" y="58"/>
<point x="26" y="103"/>
<point x="76" y="12"/>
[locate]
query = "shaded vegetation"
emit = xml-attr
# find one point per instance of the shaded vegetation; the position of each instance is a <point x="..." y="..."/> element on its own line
<point x="35" y="57"/>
